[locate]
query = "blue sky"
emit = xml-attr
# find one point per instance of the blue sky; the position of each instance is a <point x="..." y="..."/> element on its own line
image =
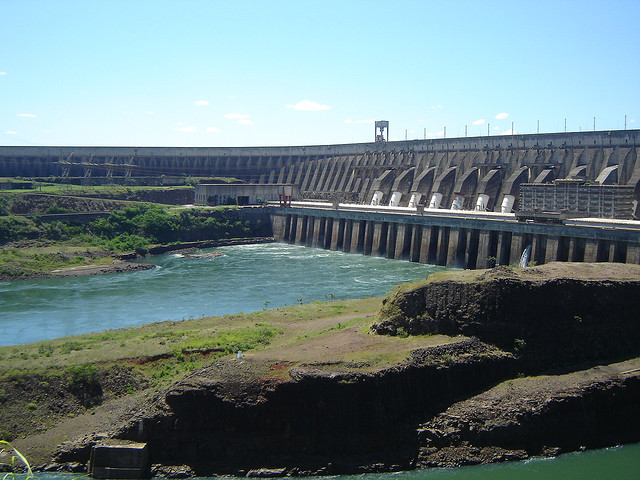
<point x="251" y="73"/>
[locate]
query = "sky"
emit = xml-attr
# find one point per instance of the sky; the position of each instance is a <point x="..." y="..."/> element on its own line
<point x="304" y="72"/>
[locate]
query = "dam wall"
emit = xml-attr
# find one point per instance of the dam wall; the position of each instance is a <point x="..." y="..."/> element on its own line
<point x="475" y="172"/>
<point x="453" y="239"/>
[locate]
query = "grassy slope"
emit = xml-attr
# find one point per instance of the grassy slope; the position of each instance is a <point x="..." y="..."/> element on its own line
<point x="332" y="335"/>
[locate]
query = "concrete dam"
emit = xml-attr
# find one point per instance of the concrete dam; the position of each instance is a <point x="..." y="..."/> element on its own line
<point x="439" y="178"/>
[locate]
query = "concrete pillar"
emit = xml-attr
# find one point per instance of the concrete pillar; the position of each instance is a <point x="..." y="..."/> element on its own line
<point x="443" y="246"/>
<point x="483" y="249"/>
<point x="401" y="232"/>
<point x="317" y="232"/>
<point x="347" y="235"/>
<point x="504" y="248"/>
<point x="301" y="230"/>
<point x="328" y="231"/>
<point x="551" y="253"/>
<point x="425" y="244"/>
<point x="309" y="232"/>
<point x="416" y="243"/>
<point x="452" y="251"/>
<point x="368" y="237"/>
<point x="590" y="250"/>
<point x="379" y="244"/>
<point x="287" y="229"/>
<point x="357" y="237"/>
<point x="516" y="248"/>
<point x="633" y="254"/>
<point x="573" y="246"/>
<point x="471" y="248"/>
<point x="337" y="232"/>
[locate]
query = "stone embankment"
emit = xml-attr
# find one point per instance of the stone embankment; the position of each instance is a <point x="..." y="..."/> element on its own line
<point x="472" y="401"/>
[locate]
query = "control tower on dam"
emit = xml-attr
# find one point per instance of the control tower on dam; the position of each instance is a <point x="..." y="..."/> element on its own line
<point x="471" y="173"/>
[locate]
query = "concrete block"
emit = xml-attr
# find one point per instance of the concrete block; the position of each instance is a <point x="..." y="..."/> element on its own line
<point x="119" y="461"/>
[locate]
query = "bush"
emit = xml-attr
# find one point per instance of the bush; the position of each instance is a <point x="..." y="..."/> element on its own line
<point x="85" y="384"/>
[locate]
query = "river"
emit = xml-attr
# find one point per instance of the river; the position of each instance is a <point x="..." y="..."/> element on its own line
<point x="249" y="278"/>
<point x="246" y="279"/>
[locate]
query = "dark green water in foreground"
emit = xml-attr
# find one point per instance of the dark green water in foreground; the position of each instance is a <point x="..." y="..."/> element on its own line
<point x="619" y="463"/>
<point x="250" y="278"/>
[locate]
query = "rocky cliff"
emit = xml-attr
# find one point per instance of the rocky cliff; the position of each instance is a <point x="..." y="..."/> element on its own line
<point x="554" y="314"/>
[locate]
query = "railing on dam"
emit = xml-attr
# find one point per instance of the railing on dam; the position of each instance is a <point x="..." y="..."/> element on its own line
<point x="459" y="239"/>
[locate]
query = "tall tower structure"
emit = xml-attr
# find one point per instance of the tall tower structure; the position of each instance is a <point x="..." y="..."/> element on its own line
<point x="381" y="126"/>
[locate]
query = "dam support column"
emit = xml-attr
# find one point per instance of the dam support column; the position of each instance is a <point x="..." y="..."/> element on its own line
<point x="337" y="234"/>
<point x="429" y="245"/>
<point x="416" y="243"/>
<point x="551" y="252"/>
<point x="456" y="250"/>
<point x="633" y="254"/>
<point x="591" y="251"/>
<point x="517" y="247"/>
<point x="301" y="230"/>
<point x="503" y="254"/>
<point x="403" y="242"/>
<point x="484" y="239"/>
<point x="328" y="231"/>
<point x="379" y="245"/>
<point x="368" y="237"/>
<point x="471" y="253"/>
<point x="319" y="225"/>
<point x="346" y="238"/>
<point x="443" y="246"/>
<point x="357" y="236"/>
<point x="309" y="231"/>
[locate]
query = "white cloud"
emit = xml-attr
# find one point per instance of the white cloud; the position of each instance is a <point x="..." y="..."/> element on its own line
<point x="29" y="115"/>
<point x="309" y="106"/>
<point x="478" y="122"/>
<point x="202" y="103"/>
<point x="3" y="73"/>
<point x="212" y="130"/>
<point x="236" y="116"/>
<point x="436" y="107"/>
<point x="370" y="120"/>
<point x="240" y="118"/>
<point x="509" y="132"/>
<point x="189" y="129"/>
<point x="10" y="132"/>
<point x="150" y="112"/>
<point x="502" y="116"/>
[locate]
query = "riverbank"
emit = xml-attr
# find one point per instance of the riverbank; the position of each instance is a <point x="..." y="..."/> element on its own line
<point x="95" y="261"/>
<point x="317" y="392"/>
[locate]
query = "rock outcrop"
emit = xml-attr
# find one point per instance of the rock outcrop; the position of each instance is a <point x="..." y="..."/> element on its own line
<point x="550" y="315"/>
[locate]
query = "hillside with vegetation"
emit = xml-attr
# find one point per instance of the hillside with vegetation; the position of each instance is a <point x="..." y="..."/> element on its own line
<point x="34" y="242"/>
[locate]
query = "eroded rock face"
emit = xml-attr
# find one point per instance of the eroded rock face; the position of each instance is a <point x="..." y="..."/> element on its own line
<point x="230" y="418"/>
<point x="547" y="320"/>
<point x="546" y="415"/>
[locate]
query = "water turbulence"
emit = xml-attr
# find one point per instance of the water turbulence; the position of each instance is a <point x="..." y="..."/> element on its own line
<point x="246" y="278"/>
